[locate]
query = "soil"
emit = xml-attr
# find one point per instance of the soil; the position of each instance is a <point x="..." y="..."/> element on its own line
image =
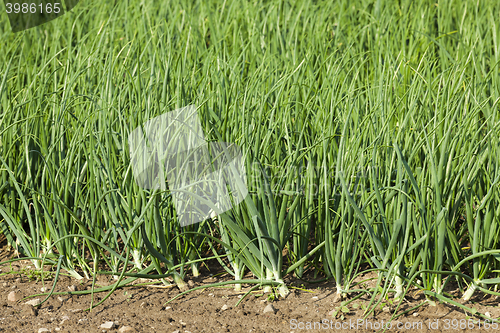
<point x="143" y="309"/>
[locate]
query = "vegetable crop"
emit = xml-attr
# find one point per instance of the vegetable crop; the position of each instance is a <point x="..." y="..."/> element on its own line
<point x="369" y="129"/>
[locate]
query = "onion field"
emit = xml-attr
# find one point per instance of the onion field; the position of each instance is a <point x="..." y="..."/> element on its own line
<point x="369" y="131"/>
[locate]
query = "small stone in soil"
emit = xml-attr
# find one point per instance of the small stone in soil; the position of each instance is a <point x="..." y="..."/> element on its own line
<point x="269" y="309"/>
<point x="13" y="296"/>
<point x="224" y="307"/>
<point x="190" y="283"/>
<point x="33" y="302"/>
<point x="168" y="308"/>
<point x="126" y="329"/>
<point x="43" y="329"/>
<point x="108" y="325"/>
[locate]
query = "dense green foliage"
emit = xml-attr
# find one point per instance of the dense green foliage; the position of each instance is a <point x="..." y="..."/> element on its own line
<point x="370" y="131"/>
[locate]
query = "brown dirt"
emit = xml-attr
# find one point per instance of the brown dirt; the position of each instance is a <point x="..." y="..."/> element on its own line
<point x="144" y="309"/>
